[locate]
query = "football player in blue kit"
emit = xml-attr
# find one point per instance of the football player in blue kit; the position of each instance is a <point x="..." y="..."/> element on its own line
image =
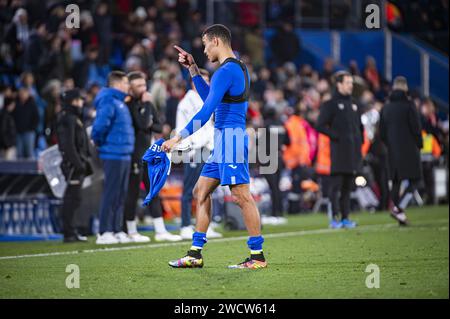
<point x="227" y="98"/>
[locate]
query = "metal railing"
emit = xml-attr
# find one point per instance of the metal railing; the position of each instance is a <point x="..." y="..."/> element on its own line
<point x="308" y="14"/>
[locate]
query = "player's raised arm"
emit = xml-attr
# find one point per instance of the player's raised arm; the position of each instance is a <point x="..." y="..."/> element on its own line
<point x="187" y="60"/>
<point x="220" y="84"/>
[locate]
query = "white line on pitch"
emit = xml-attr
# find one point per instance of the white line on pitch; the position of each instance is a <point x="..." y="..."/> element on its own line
<point x="276" y="235"/>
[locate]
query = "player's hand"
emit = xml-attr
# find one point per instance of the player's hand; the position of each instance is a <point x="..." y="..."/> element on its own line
<point x="168" y="145"/>
<point x="185" y="59"/>
<point x="146" y="97"/>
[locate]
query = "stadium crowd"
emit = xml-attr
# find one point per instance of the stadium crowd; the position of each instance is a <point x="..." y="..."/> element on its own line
<point x="40" y="58"/>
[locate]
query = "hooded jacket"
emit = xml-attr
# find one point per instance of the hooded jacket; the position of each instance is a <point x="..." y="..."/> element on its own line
<point x="113" y="130"/>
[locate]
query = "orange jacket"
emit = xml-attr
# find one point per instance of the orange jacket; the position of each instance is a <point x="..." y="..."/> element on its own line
<point x="323" y="159"/>
<point x="297" y="152"/>
<point x="365" y="145"/>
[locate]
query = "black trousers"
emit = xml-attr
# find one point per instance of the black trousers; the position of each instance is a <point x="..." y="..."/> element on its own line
<point x="428" y="179"/>
<point x="138" y="173"/>
<point x="381" y="175"/>
<point x="341" y="186"/>
<point x="274" y="183"/>
<point x="403" y="200"/>
<point x="298" y="174"/>
<point x="71" y="202"/>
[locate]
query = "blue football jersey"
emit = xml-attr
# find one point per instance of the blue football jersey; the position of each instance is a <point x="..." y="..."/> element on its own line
<point x="158" y="168"/>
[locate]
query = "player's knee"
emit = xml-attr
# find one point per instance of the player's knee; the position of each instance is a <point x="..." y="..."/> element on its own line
<point x="241" y="198"/>
<point x="201" y="197"/>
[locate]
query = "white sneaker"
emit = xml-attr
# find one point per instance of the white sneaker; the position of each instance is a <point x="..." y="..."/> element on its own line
<point x="166" y="236"/>
<point x="269" y="220"/>
<point x="122" y="238"/>
<point x="148" y="220"/>
<point x="138" y="238"/>
<point x="107" y="238"/>
<point x="186" y="232"/>
<point x="280" y="220"/>
<point x="211" y="233"/>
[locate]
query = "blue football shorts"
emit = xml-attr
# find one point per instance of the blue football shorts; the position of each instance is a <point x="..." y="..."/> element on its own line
<point x="228" y="161"/>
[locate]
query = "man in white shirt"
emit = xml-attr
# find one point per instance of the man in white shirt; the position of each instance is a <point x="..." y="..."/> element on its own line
<point x="201" y="142"/>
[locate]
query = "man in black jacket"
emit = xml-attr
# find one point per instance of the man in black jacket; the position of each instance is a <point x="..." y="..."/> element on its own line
<point x="73" y="144"/>
<point x="400" y="130"/>
<point x="26" y="119"/>
<point x="340" y="120"/>
<point x="145" y="121"/>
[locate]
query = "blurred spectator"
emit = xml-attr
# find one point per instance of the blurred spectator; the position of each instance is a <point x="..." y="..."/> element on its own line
<point x="17" y="34"/>
<point x="27" y="80"/>
<point x="51" y="94"/>
<point x="353" y="68"/>
<point x="103" y="26"/>
<point x="429" y="155"/>
<point x="296" y="157"/>
<point x="254" y="46"/>
<point x="35" y="51"/>
<point x="429" y="119"/>
<point x="275" y="133"/>
<point x="340" y="120"/>
<point x="74" y="146"/>
<point x="176" y="94"/>
<point x="401" y="132"/>
<point x="328" y="70"/>
<point x="26" y="119"/>
<point x="86" y="33"/>
<point x="7" y="130"/>
<point x="285" y="44"/>
<point x="159" y="91"/>
<point x="377" y="156"/>
<point x="113" y="134"/>
<point x="90" y="71"/>
<point x="371" y="74"/>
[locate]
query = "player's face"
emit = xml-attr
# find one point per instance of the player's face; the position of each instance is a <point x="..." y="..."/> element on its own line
<point x="124" y="85"/>
<point x="78" y="103"/>
<point x="346" y="87"/>
<point x="210" y="48"/>
<point x="137" y="87"/>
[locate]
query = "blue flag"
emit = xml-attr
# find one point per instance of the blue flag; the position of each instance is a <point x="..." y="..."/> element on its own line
<point x="158" y="164"/>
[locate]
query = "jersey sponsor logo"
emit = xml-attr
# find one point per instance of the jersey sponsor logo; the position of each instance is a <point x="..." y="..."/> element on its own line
<point x="233" y="166"/>
<point x="341" y="106"/>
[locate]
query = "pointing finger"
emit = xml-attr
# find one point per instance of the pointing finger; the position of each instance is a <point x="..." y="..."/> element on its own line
<point x="180" y="49"/>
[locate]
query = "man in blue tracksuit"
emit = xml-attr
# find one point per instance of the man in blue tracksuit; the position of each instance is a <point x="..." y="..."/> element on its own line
<point x="113" y="134"/>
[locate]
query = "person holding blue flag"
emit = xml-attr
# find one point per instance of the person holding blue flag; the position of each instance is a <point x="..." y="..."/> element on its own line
<point x="227" y="97"/>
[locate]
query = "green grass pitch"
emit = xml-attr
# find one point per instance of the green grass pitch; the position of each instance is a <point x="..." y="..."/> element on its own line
<point x="306" y="260"/>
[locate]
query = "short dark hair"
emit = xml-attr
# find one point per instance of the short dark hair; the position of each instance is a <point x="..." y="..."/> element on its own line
<point x="115" y="76"/>
<point x="219" y="31"/>
<point x="340" y="75"/>
<point x="136" y="75"/>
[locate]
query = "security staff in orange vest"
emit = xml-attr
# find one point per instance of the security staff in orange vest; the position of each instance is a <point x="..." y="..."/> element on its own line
<point x="296" y="157"/>
<point x="429" y="154"/>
